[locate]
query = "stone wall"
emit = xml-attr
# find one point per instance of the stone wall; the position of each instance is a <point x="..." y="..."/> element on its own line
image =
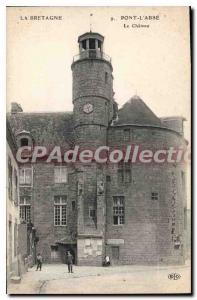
<point x="89" y="79"/>
<point x="147" y="232"/>
<point x="42" y="209"/>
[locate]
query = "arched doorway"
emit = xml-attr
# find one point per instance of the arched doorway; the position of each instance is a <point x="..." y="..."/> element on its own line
<point x="63" y="250"/>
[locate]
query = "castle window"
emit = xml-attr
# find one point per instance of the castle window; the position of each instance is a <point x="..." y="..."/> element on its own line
<point x="24" y="142"/>
<point x="60" y="207"/>
<point x="106" y="77"/>
<point x="60" y="174"/>
<point x="92" y="212"/>
<point x="24" y="139"/>
<point x="154" y="196"/>
<point x="25" y="209"/>
<point x="124" y="173"/>
<point x="127" y="175"/>
<point x="73" y="205"/>
<point x="120" y="175"/>
<point x="25" y="176"/>
<point x="118" y="210"/>
<point x="126" y="135"/>
<point x="108" y="178"/>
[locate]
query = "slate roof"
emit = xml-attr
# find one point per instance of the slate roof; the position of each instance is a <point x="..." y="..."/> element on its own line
<point x="54" y="128"/>
<point x="135" y="111"/>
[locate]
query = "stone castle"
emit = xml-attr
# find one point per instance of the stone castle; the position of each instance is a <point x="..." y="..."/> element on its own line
<point x="134" y="213"/>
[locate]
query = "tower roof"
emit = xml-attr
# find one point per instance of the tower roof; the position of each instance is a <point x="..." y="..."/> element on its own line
<point x="91" y="35"/>
<point x="135" y="111"/>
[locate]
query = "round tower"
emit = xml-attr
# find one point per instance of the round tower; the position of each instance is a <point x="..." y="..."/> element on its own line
<point x="92" y="90"/>
<point x="93" y="111"/>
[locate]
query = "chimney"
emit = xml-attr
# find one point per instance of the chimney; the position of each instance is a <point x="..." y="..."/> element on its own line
<point x="15" y="108"/>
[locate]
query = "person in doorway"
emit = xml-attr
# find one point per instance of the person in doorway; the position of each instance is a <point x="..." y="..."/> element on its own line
<point x="106" y="262"/>
<point x="70" y="262"/>
<point x="39" y="262"/>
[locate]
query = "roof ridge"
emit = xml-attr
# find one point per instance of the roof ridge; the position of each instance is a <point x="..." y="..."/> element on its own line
<point x="40" y="112"/>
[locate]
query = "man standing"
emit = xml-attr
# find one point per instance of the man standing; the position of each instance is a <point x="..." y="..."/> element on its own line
<point x="70" y="262"/>
<point x="39" y="262"/>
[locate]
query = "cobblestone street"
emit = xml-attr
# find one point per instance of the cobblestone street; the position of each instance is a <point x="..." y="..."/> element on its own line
<point x="54" y="279"/>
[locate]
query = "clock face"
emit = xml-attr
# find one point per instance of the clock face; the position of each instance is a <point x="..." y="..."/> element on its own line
<point x="88" y="108"/>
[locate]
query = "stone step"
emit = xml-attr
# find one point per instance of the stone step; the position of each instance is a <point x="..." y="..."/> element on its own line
<point x="15" y="279"/>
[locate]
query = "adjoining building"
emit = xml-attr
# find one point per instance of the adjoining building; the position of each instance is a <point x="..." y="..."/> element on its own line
<point x="21" y="235"/>
<point x="12" y="206"/>
<point x="134" y="213"/>
<point x="16" y="232"/>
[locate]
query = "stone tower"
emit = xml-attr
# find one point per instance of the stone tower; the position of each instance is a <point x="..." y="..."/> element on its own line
<point x="93" y="111"/>
<point x="92" y="90"/>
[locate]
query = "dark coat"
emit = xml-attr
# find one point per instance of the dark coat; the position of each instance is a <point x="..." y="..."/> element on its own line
<point x="69" y="259"/>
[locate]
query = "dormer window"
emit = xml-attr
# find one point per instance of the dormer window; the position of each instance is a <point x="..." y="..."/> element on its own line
<point x="24" y="142"/>
<point x="24" y="139"/>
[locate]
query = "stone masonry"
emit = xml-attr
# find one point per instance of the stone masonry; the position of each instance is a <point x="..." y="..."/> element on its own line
<point x="152" y="226"/>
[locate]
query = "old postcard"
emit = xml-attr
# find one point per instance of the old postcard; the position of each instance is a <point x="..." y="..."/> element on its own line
<point x="98" y="150"/>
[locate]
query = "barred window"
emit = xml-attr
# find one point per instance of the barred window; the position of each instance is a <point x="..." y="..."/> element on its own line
<point x="124" y="173"/>
<point x="60" y="206"/>
<point x="118" y="210"/>
<point x="60" y="173"/>
<point x="25" y="209"/>
<point x="154" y="196"/>
<point x="25" y="176"/>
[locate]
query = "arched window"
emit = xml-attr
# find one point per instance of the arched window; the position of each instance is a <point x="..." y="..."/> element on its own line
<point x="24" y="139"/>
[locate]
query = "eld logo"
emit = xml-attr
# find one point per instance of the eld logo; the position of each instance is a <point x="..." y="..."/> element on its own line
<point x="174" y="276"/>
